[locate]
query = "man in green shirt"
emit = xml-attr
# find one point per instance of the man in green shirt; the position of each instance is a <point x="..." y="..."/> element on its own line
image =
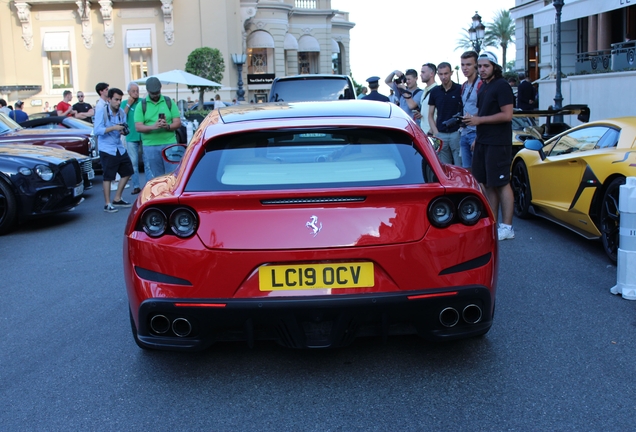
<point x="133" y="139"/>
<point x="156" y="120"/>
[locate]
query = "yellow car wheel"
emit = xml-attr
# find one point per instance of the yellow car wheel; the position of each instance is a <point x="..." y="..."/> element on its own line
<point x="610" y="218"/>
<point x="521" y="189"/>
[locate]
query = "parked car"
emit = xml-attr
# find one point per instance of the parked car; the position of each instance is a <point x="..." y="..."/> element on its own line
<point x="318" y="87"/>
<point x="309" y="224"/>
<point x="36" y="181"/>
<point x="207" y="106"/>
<point x="574" y="178"/>
<point x="75" y="140"/>
<point x="57" y="122"/>
<point x="525" y="124"/>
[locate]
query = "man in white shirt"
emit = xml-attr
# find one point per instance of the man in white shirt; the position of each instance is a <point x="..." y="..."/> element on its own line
<point x="427" y="74"/>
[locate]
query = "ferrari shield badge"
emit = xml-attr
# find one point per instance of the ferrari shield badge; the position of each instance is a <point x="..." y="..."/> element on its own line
<point x="314" y="225"/>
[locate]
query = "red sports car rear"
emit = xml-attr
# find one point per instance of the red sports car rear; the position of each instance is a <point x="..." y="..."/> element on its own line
<point x="309" y="224"/>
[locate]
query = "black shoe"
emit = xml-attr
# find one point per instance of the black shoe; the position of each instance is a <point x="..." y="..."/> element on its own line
<point x="135" y="191"/>
<point x="121" y="203"/>
<point x="110" y="209"/>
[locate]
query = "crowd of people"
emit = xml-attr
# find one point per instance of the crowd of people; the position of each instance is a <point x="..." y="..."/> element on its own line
<point x="126" y="128"/>
<point x="473" y="120"/>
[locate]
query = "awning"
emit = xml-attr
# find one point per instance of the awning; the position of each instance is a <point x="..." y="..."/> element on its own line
<point x="138" y="38"/>
<point x="290" y="42"/>
<point x="57" y="41"/>
<point x="335" y="48"/>
<point x="575" y="9"/>
<point x="260" y="39"/>
<point x="308" y="43"/>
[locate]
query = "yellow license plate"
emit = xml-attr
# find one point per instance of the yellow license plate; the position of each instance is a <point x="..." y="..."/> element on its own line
<point x="316" y="276"/>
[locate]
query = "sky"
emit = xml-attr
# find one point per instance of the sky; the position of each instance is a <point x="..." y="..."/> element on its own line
<point x="411" y="33"/>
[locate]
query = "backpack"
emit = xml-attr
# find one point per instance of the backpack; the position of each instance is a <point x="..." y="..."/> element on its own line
<point x="166" y="98"/>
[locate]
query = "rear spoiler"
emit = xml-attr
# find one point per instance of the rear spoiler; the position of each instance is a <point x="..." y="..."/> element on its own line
<point x="582" y="111"/>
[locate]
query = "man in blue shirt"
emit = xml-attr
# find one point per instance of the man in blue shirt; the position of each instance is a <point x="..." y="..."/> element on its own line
<point x="110" y="125"/>
<point x="18" y="114"/>
<point x="406" y="87"/>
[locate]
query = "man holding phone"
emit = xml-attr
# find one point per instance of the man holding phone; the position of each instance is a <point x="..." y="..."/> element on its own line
<point x="405" y="85"/>
<point x="156" y="120"/>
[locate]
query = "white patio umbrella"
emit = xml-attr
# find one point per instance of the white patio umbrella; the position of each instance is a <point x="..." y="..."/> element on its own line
<point x="177" y="77"/>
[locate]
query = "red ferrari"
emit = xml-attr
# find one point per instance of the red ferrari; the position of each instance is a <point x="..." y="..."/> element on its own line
<point x="309" y="224"/>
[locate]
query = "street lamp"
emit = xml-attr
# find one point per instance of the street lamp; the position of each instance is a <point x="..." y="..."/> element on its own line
<point x="558" y="97"/>
<point x="239" y="60"/>
<point x="477" y="31"/>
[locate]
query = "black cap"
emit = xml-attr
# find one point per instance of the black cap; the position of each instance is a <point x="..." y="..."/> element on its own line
<point x="373" y="80"/>
<point x="153" y="85"/>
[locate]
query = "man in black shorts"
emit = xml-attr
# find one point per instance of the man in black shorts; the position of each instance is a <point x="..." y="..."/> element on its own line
<point x="110" y="125"/>
<point x="493" y="146"/>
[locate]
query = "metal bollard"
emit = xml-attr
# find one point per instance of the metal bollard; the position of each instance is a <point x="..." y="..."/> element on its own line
<point x="189" y="131"/>
<point x="626" y="263"/>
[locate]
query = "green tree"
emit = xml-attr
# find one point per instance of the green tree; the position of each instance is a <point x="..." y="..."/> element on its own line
<point x="207" y="63"/>
<point x="357" y="86"/>
<point x="501" y="32"/>
<point x="465" y="44"/>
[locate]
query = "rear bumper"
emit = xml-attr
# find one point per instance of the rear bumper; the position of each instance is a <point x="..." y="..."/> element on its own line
<point x="315" y="322"/>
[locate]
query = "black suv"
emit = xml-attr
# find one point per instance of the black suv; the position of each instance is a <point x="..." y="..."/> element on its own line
<point x="319" y="87"/>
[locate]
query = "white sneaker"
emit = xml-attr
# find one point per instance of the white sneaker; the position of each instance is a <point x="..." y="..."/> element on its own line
<point x="506" y="233"/>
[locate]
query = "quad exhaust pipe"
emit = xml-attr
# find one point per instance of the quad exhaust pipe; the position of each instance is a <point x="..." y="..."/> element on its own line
<point x="449" y="317"/>
<point x="181" y="327"/>
<point x="160" y="324"/>
<point x="471" y="314"/>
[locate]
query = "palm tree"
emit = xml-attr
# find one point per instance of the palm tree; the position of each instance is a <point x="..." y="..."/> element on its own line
<point x="501" y="32"/>
<point x="465" y="44"/>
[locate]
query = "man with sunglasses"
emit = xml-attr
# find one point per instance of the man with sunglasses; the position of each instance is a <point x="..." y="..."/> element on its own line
<point x="156" y="119"/>
<point x="83" y="110"/>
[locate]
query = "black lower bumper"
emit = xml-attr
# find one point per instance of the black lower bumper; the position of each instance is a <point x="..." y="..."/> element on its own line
<point x="314" y="322"/>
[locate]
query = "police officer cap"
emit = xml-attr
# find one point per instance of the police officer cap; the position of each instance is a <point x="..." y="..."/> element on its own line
<point x="153" y="85"/>
<point x="373" y="79"/>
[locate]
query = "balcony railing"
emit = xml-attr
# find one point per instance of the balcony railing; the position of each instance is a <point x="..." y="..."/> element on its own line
<point x="593" y="61"/>
<point x="306" y="4"/>
<point x="620" y="57"/>
<point x="623" y="55"/>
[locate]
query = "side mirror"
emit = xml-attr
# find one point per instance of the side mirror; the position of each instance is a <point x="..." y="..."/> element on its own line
<point x="536" y="145"/>
<point x="174" y="153"/>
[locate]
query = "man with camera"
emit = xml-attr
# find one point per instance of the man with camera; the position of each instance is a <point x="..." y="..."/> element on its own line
<point x="405" y="85"/>
<point x="110" y="125"/>
<point x="447" y="100"/>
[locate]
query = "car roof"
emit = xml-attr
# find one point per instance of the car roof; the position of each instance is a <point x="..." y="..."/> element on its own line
<point x="312" y="76"/>
<point x="42" y="121"/>
<point x="313" y="110"/>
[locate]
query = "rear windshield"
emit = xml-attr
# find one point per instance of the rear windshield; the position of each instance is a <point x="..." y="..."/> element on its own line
<point x="298" y="90"/>
<point x="309" y="159"/>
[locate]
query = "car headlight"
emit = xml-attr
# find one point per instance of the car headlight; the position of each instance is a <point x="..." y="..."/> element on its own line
<point x="469" y="210"/>
<point x="44" y="172"/>
<point x="441" y="212"/>
<point x="25" y="171"/>
<point x="93" y="142"/>
<point x="154" y="222"/>
<point x="183" y="222"/>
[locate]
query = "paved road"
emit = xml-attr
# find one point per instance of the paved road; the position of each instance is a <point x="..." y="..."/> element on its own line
<point x="560" y="356"/>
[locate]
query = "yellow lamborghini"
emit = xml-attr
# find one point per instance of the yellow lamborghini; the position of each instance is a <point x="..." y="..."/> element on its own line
<point x="574" y="178"/>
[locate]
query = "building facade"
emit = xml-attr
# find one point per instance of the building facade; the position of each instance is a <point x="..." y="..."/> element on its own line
<point x="597" y="52"/>
<point x="49" y="46"/>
